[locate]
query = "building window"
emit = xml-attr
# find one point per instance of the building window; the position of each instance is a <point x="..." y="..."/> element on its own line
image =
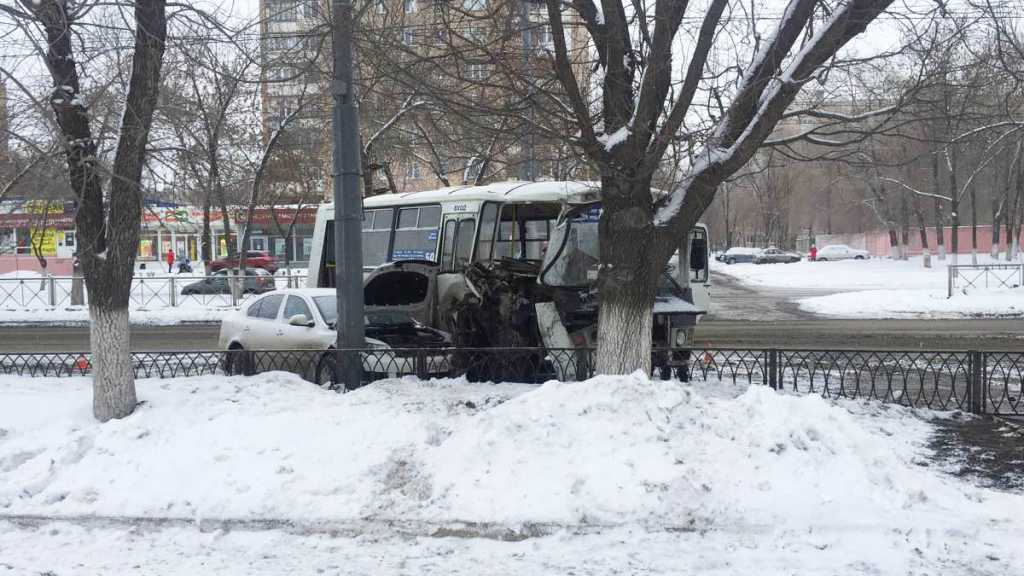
<point x="475" y="34"/>
<point x="543" y="36"/>
<point x="414" y="171"/>
<point x="286" y="11"/>
<point x="440" y="38"/>
<point x="408" y="36"/>
<point x="472" y="171"/>
<point x="312" y="9"/>
<point x="477" y="72"/>
<point x="410" y="6"/>
<point x="474" y="5"/>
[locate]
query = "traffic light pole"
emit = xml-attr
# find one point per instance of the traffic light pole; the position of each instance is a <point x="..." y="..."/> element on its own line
<point x="348" y="202"/>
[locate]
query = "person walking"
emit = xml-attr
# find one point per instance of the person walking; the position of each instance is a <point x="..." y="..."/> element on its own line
<point x="170" y="260"/>
<point x="814" y="252"/>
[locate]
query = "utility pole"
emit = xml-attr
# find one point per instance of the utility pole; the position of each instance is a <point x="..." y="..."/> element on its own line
<point x="526" y="145"/>
<point x="348" y="203"/>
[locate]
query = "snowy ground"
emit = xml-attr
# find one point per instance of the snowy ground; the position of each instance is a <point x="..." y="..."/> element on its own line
<point x="270" y="475"/>
<point x="881" y="288"/>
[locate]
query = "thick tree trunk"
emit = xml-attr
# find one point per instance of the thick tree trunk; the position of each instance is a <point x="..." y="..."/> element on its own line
<point x="225" y="220"/>
<point x="954" y="206"/>
<point x="996" y="225"/>
<point x="624" y="314"/>
<point x="1013" y="215"/>
<point x="894" y="244"/>
<point x="107" y="223"/>
<point x="904" y="228"/>
<point x="111" y="363"/>
<point x="626" y="284"/>
<point x="974" y="226"/>
<point x="77" y="283"/>
<point x="922" y="229"/>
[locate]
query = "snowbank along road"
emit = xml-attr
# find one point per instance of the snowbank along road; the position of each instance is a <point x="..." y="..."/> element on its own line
<point x="612" y="475"/>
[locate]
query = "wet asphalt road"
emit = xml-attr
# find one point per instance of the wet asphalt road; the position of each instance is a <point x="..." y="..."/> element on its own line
<point x="740" y="317"/>
<point x="995" y="334"/>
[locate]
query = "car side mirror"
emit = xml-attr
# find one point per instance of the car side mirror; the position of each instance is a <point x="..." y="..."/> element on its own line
<point x="301" y="320"/>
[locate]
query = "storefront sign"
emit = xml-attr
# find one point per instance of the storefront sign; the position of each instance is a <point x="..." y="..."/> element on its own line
<point x="45" y="240"/>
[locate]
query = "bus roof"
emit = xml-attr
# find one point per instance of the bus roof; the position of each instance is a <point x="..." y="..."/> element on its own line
<point x="513" y="191"/>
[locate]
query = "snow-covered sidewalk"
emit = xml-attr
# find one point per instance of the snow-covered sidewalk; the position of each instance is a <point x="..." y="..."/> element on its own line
<point x="881" y="288"/>
<point x="23" y="301"/>
<point x="611" y="475"/>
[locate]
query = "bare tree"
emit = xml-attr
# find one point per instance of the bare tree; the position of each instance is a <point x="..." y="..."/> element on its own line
<point x="641" y="114"/>
<point x="108" y="217"/>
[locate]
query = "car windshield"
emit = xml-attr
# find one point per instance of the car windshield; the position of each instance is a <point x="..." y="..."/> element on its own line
<point x="328" y="307"/>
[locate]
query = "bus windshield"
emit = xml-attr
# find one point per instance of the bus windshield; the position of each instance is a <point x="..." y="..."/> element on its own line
<point x="573" y="256"/>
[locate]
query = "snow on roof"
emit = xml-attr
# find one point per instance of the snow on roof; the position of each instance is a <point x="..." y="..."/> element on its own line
<point x="512" y="191"/>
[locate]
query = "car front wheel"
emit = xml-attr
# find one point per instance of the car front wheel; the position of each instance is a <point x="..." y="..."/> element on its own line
<point x="858" y="257"/>
<point x="730" y="261"/>
<point x="237" y="361"/>
<point x="327" y="373"/>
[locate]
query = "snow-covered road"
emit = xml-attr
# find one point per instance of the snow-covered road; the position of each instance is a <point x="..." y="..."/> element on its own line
<point x="68" y="550"/>
<point x="615" y="475"/>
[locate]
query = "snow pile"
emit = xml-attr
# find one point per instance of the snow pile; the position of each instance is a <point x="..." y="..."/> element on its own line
<point x="872" y="274"/>
<point x="917" y="303"/>
<point x="156" y="316"/>
<point x="608" y="451"/>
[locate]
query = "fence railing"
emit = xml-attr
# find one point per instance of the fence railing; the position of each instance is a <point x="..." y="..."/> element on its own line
<point x="978" y="382"/>
<point x="146" y="292"/>
<point x="963" y="277"/>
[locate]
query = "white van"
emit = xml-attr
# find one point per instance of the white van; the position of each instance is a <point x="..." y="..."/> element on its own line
<point x="504" y="264"/>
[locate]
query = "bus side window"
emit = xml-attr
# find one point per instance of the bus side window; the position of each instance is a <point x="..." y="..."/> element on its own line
<point x="325" y="277"/>
<point x="464" y="242"/>
<point x="448" y="245"/>
<point x="376" y="236"/>
<point x="488" y="218"/>
<point x="416" y="233"/>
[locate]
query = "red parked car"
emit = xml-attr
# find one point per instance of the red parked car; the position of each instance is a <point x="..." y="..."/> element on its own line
<point x="253" y="259"/>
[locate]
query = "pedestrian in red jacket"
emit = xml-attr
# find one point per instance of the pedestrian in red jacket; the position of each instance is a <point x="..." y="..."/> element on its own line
<point x="814" y="252"/>
<point x="170" y="259"/>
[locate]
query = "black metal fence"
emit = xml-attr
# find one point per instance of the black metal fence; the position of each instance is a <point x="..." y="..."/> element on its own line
<point x="979" y="382"/>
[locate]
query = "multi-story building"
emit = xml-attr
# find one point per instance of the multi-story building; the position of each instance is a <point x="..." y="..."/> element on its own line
<point x="476" y="47"/>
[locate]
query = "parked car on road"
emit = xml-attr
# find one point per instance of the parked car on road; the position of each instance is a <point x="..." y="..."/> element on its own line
<point x="305" y="319"/>
<point x="257" y="281"/>
<point x="739" y="254"/>
<point x="253" y="259"/>
<point x="776" y="256"/>
<point x="841" y="252"/>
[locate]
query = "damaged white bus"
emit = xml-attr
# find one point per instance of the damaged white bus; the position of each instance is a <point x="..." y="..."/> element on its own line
<point x="510" y="264"/>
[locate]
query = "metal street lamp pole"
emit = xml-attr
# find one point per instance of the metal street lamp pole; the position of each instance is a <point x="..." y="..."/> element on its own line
<point x="348" y="202"/>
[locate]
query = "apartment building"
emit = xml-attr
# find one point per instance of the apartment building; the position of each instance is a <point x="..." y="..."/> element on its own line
<point x="474" y="48"/>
